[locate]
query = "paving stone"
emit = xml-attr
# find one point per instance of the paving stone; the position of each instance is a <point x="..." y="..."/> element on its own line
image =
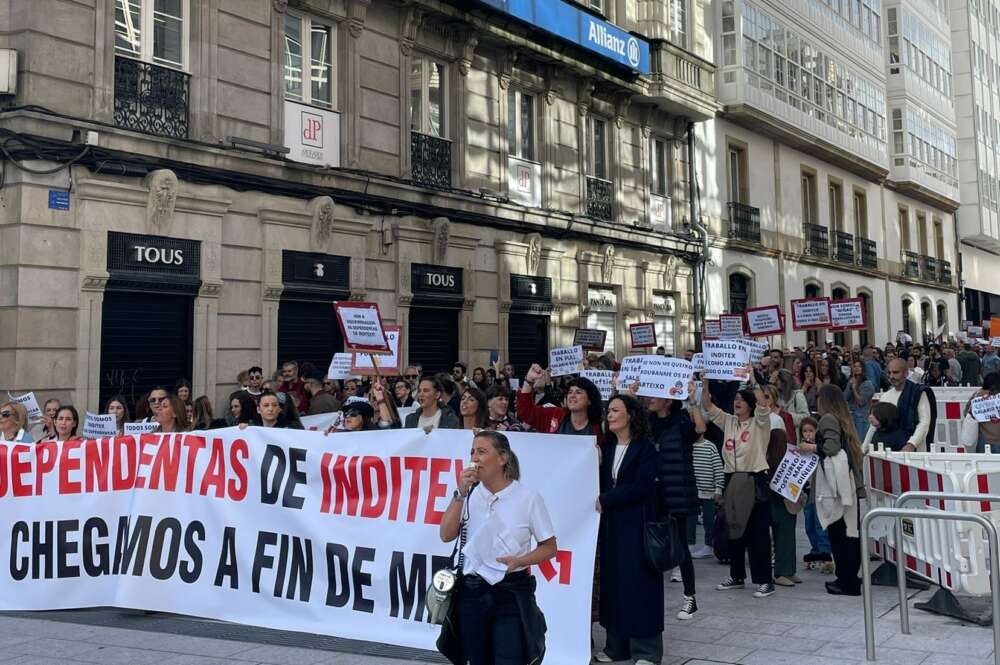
<point x="51" y="647"/>
<point x="769" y="657"/>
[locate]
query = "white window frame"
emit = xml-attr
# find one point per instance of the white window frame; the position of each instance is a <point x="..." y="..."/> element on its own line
<point x="518" y="95"/>
<point x="146" y="35"/>
<point x="682" y="8"/>
<point x="307" y="23"/>
<point x="424" y="124"/>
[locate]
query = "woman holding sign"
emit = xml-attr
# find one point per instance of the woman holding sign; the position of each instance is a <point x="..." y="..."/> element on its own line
<point x="582" y="414"/>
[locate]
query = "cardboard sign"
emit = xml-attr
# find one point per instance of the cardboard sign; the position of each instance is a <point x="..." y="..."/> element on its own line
<point x="793" y="472"/>
<point x="590" y="339"/>
<point x="138" y="429"/>
<point x="340" y="366"/>
<point x="28" y="401"/>
<point x="600" y="378"/>
<point x="725" y="360"/>
<point x="630" y="371"/>
<point x="730" y="326"/>
<point x="763" y="321"/>
<point x="565" y="360"/>
<point x="811" y="313"/>
<point x="848" y="314"/>
<point x="755" y="350"/>
<point x="985" y="409"/>
<point x="361" y="326"/>
<point x="660" y="376"/>
<point x="698" y="362"/>
<point x="388" y="365"/>
<point x="95" y="426"/>
<point x="643" y="335"/>
<point x="712" y="329"/>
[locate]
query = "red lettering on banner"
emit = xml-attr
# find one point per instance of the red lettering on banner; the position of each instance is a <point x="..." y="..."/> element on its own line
<point x="347" y="487"/>
<point x="436" y="490"/>
<point x="96" y="458"/>
<point x="396" y="476"/>
<point x="45" y="455"/>
<point x="67" y="464"/>
<point x="167" y="464"/>
<point x="375" y="497"/>
<point x="416" y="466"/>
<point x="239" y="453"/>
<point x="324" y="475"/>
<point x="3" y="470"/>
<point x="564" y="559"/>
<point x="20" y="465"/>
<point x="194" y="444"/>
<point x="145" y="459"/>
<point x="215" y="475"/>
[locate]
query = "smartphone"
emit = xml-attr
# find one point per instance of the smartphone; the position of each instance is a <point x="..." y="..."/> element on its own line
<point x="494" y="356"/>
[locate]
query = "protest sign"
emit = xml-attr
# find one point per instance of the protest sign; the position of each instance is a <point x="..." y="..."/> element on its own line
<point x="763" y="321"/>
<point x="848" y="314"/>
<point x="793" y="473"/>
<point x="136" y="429"/>
<point x="565" y="360"/>
<point x="590" y="339"/>
<point x="283" y="529"/>
<point x="340" y="366"/>
<point x="361" y="325"/>
<point x="697" y="362"/>
<point x="600" y="378"/>
<point x="755" y="350"/>
<point x="915" y="375"/>
<point x="995" y="341"/>
<point x="515" y="384"/>
<point x="810" y="313"/>
<point x="629" y="371"/>
<point x="966" y="325"/>
<point x="30" y="404"/>
<point x="388" y="365"/>
<point x="725" y="360"/>
<point x="985" y="409"/>
<point x="660" y="376"/>
<point x="712" y="329"/>
<point x="975" y="331"/>
<point x="730" y="326"/>
<point x="96" y="426"/>
<point x="643" y="335"/>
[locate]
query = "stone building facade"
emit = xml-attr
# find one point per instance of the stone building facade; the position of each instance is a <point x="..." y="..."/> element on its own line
<point x="187" y="189"/>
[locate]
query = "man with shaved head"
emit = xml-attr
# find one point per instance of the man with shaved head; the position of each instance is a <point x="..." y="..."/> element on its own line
<point x="916" y="407"/>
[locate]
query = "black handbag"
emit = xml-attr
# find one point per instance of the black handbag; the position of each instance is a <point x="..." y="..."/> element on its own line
<point x="663" y="544"/>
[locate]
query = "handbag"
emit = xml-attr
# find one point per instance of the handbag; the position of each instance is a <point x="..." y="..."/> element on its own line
<point x="441" y="591"/>
<point x="663" y="544"/>
<point x="720" y="536"/>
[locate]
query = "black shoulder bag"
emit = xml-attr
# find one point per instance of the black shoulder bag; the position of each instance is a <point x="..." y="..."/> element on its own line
<point x="444" y="582"/>
<point x="663" y="544"/>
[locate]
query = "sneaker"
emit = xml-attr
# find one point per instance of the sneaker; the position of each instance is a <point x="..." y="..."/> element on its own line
<point x="676" y="576"/>
<point x="602" y="657"/>
<point x="688" y="609"/>
<point x="702" y="552"/>
<point x="781" y="580"/>
<point x="729" y="584"/>
<point x="763" y="590"/>
<point x="810" y="557"/>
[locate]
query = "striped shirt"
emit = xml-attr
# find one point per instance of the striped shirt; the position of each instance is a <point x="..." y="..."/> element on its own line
<point x="708" y="470"/>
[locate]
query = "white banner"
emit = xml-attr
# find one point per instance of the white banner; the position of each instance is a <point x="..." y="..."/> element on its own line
<point x="698" y="362"/>
<point x="847" y="313"/>
<point x="725" y="360"/>
<point x="96" y="426"/>
<point x="566" y="360"/>
<point x="340" y="366"/>
<point x="764" y="321"/>
<point x="793" y="473"/>
<point x="323" y="421"/>
<point x="995" y="341"/>
<point x="629" y="371"/>
<point x="600" y="378"/>
<point x="279" y="528"/>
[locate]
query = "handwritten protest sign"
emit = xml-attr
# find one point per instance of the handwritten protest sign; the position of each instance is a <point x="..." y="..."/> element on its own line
<point x="660" y="376"/>
<point x="565" y="360"/>
<point x="848" y="314"/>
<point x="762" y="321"/>
<point x="98" y="425"/>
<point x="630" y="371"/>
<point x="810" y="313"/>
<point x="600" y="378"/>
<point x="985" y="409"/>
<point x="793" y="473"/>
<point x="712" y="329"/>
<point x="725" y="360"/>
<point x="698" y="362"/>
<point x="755" y="349"/>
<point x="362" y="364"/>
<point x="137" y="429"/>
<point x="730" y="326"/>
<point x="590" y="339"/>
<point x="361" y="325"/>
<point x="975" y="331"/>
<point x="340" y="366"/>
<point x="643" y="335"/>
<point x="28" y="401"/>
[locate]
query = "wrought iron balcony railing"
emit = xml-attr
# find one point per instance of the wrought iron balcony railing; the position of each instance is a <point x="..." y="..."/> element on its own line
<point x="929" y="268"/>
<point x="911" y="264"/>
<point x="843" y="247"/>
<point x="866" y="253"/>
<point x="599" y="198"/>
<point x="944" y="271"/>
<point x="430" y="160"/>
<point x="744" y="222"/>
<point x="150" y="98"/>
<point x="817" y="240"/>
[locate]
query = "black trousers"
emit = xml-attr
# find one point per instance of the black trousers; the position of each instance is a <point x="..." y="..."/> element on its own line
<point x="755" y="541"/>
<point x="846" y="556"/>
<point x="687" y="565"/>
<point x="490" y="625"/>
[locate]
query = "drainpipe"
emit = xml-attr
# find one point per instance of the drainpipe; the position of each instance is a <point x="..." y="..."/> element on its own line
<point x="698" y="229"/>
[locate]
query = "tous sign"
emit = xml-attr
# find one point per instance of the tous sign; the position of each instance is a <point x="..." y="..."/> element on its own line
<point x="440" y="280"/>
<point x="168" y="257"/>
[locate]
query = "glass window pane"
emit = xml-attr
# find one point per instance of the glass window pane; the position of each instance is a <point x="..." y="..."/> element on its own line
<point x="168" y="32"/>
<point x="600" y="149"/>
<point x="435" y="100"/>
<point x="128" y="27"/>
<point x="512" y="122"/>
<point x="527" y="126"/>
<point x="293" y="56"/>
<point x="320" y="44"/>
<point x="416" y="94"/>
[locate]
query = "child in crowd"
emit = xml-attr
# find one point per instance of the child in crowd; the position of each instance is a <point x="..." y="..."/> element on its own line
<point x="710" y="479"/>
<point x="819" y="543"/>
<point x="884" y="419"/>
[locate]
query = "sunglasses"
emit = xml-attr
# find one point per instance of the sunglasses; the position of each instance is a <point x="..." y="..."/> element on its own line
<point x="156" y="400"/>
<point x="256" y="376"/>
<point x="352" y="413"/>
<point x="411" y="376"/>
<point x="6" y="414"/>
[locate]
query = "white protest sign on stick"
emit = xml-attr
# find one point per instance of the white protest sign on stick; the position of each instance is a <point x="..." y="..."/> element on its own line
<point x="730" y="326"/>
<point x="98" y="425"/>
<point x="725" y="360"/>
<point x="30" y="404"/>
<point x="698" y="362"/>
<point x="643" y="335"/>
<point x="975" y="331"/>
<point x="995" y="341"/>
<point x="848" y="314"/>
<point x="340" y="366"/>
<point x="138" y="429"/>
<point x="388" y="365"/>
<point x="361" y="325"/>
<point x="755" y="349"/>
<point x="712" y="329"/>
<point x="600" y="378"/>
<point x="985" y="409"/>
<point x="565" y="360"/>
<point x="763" y="321"/>
<point x="810" y="313"/>
<point x="660" y="376"/>
<point x="793" y="473"/>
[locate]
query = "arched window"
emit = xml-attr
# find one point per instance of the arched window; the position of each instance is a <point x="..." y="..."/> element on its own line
<point x="925" y="322"/>
<point x="865" y="336"/>
<point x="942" y="318"/>
<point x="907" y="303"/>
<point x="841" y="339"/>
<point x="813" y="291"/>
<point x="739" y="292"/>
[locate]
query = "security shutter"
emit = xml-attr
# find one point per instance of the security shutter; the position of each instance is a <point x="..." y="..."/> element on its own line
<point x="308" y="332"/>
<point x="528" y="341"/>
<point x="433" y="338"/>
<point x="145" y="342"/>
<point x="606" y="321"/>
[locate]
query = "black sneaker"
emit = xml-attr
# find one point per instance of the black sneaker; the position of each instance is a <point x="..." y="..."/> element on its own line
<point x="688" y="609"/>
<point x="811" y="557"/>
<point x="729" y="584"/>
<point x="764" y="590"/>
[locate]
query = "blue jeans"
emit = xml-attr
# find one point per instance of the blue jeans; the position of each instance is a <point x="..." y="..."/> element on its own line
<point x="818" y="540"/>
<point x="861" y="424"/>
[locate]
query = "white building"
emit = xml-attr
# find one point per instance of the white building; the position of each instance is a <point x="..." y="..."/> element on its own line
<point x="832" y="170"/>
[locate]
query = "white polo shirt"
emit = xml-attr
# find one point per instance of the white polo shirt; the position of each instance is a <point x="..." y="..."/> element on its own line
<point x="502" y="524"/>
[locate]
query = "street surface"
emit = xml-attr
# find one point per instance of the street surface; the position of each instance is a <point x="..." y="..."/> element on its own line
<point x="796" y="626"/>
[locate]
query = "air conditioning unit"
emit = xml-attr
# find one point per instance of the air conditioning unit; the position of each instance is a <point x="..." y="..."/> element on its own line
<point x="8" y="71"/>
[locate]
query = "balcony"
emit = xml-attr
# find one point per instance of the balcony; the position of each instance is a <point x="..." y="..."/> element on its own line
<point x="817" y="240"/>
<point x="150" y="98"/>
<point x="430" y="160"/>
<point x="866" y="253"/>
<point x="744" y="222"/>
<point x="929" y="268"/>
<point x="911" y="264"/>
<point x="843" y="247"/>
<point x="599" y="198"/>
<point x="944" y="272"/>
<point x="682" y="83"/>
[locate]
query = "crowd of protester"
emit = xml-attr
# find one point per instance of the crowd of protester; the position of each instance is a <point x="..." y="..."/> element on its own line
<point x="707" y="460"/>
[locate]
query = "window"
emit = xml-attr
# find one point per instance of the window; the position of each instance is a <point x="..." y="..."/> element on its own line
<point x="860" y="214"/>
<point x="658" y="166"/>
<point x="836" y="193"/>
<point x="925" y="322"/>
<point x="809" y="214"/>
<point x="663" y="310"/>
<point x="736" y="165"/>
<point x="922" y="233"/>
<point x="739" y="293"/>
<point x="309" y="48"/>
<point x="942" y="318"/>
<point x="678" y="23"/>
<point x="603" y="314"/>
<point x="521" y="124"/>
<point x="813" y="291"/>
<point x="907" y="304"/>
<point x="598" y="130"/>
<point x="841" y="339"/>
<point x="865" y="334"/>
<point x="938" y="239"/>
<point x="428" y="95"/>
<point x="153" y="30"/>
<point x="904" y="229"/>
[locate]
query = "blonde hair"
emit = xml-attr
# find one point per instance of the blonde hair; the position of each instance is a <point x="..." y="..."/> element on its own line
<point x="830" y="400"/>
<point x="20" y="412"/>
<point x="773" y="394"/>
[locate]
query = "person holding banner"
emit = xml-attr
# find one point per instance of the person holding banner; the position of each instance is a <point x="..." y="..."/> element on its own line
<point x="582" y="414"/>
<point x="631" y="591"/>
<point x="13" y="420"/>
<point x="432" y="412"/>
<point x="66" y="422"/>
<point x="118" y="407"/>
<point x="494" y="619"/>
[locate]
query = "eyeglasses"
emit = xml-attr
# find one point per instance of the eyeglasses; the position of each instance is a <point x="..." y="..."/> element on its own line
<point x="6" y="414"/>
<point x="411" y="376"/>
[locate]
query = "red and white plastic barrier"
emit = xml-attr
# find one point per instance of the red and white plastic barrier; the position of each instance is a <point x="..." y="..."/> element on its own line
<point x="951" y="403"/>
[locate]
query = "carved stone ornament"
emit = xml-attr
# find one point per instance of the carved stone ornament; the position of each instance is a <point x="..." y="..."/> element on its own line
<point x="321" y="208"/>
<point x="552" y="88"/>
<point x="412" y="19"/>
<point x="357" y="10"/>
<point x="607" y="263"/>
<point x="670" y="262"/>
<point x="94" y="283"/>
<point x="273" y="291"/>
<point x="533" y="256"/>
<point x="442" y="234"/>
<point x="210" y="289"/>
<point x="162" y="185"/>
<point x="280" y="5"/>
<point x="621" y="108"/>
<point x="468" y="40"/>
<point x="506" y="67"/>
<point x="584" y="96"/>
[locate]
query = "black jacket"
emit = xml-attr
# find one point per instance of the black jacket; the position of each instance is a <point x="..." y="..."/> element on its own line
<point x="673" y="437"/>
<point x="448" y="418"/>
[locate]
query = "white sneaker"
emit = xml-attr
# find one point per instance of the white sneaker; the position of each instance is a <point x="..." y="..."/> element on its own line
<point x="676" y="576"/>
<point x="702" y="552"/>
<point x="602" y="657"/>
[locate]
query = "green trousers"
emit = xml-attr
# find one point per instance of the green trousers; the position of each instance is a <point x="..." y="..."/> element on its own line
<point x="783" y="530"/>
